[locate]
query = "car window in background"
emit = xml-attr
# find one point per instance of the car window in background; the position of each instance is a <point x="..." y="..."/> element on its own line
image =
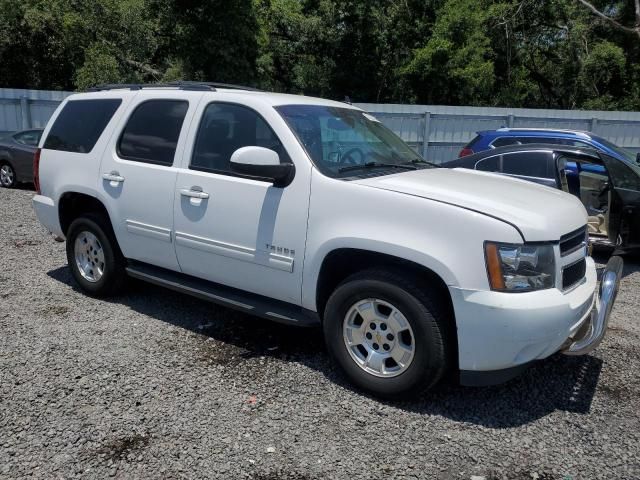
<point x="491" y="164"/>
<point x="504" y="141"/>
<point x="29" y="137"/>
<point x="529" y="164"/>
<point x="80" y="124"/>
<point x="225" y="128"/>
<point x="152" y="132"/>
<point x="623" y="152"/>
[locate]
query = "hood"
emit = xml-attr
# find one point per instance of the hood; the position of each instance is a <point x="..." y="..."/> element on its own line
<point x="540" y="213"/>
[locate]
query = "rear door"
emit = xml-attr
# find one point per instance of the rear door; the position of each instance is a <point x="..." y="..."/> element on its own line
<point x="138" y="176"/>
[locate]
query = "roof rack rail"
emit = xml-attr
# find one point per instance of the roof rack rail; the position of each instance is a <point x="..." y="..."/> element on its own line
<point x="183" y="85"/>
<point x="230" y="86"/>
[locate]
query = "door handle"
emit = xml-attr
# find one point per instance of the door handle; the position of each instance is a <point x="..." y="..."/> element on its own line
<point x="194" y="194"/>
<point x="113" y="177"/>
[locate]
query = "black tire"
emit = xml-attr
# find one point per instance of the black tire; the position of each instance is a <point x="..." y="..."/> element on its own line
<point x="424" y="311"/>
<point x="114" y="275"/>
<point x="14" y="178"/>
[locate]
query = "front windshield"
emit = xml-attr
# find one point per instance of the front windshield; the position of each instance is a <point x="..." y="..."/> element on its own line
<point x="623" y="152"/>
<point x="343" y="142"/>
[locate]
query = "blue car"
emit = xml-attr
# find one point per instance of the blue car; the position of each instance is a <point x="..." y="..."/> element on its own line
<point x="503" y="137"/>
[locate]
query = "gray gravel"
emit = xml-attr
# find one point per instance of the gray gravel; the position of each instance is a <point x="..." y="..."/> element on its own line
<point x="157" y="384"/>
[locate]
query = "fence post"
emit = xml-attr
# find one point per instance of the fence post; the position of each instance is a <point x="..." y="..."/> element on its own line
<point x="594" y="124"/>
<point x="426" y="135"/>
<point x="25" y="111"/>
<point x="510" y="120"/>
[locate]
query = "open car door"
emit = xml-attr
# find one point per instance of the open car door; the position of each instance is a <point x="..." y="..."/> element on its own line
<point x="624" y="195"/>
<point x="585" y="177"/>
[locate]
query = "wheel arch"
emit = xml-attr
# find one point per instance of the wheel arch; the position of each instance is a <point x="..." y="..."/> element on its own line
<point x="73" y="204"/>
<point x="340" y="263"/>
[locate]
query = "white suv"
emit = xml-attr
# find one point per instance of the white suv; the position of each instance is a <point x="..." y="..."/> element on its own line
<point x="311" y="212"/>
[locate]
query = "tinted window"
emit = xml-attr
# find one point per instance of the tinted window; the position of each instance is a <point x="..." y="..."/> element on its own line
<point x="224" y="128"/>
<point x="622" y="176"/>
<point x="152" y="132"/>
<point x="80" y="124"/>
<point x="30" y="137"/>
<point x="530" y="164"/>
<point x="490" y="164"/>
<point x="504" y="141"/>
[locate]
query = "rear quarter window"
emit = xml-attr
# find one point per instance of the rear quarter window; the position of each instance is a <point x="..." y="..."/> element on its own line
<point x="80" y="124"/>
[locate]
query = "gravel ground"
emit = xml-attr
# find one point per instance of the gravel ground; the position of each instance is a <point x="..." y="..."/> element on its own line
<point x="157" y="384"/>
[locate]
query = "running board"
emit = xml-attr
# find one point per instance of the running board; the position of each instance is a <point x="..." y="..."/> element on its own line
<point x="258" y="305"/>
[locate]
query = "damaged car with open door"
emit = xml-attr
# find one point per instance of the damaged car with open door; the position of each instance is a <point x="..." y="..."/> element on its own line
<point x="608" y="188"/>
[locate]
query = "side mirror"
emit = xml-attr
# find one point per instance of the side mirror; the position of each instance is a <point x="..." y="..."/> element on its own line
<point x="263" y="164"/>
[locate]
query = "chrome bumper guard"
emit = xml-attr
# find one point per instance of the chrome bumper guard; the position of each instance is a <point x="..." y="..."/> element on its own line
<point x="592" y="332"/>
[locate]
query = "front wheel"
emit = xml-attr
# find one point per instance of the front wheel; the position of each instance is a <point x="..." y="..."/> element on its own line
<point x="94" y="256"/>
<point x="389" y="336"/>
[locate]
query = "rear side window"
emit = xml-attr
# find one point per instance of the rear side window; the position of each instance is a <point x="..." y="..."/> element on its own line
<point x="30" y="137"/>
<point x="529" y="164"/>
<point x="80" y="124"/>
<point x="490" y="164"/>
<point x="473" y="141"/>
<point x="504" y="141"/>
<point x="152" y="132"/>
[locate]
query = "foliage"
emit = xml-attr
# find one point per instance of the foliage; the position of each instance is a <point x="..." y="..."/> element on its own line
<point x="556" y="53"/>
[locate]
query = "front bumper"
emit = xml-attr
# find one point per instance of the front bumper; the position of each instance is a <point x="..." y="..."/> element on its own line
<point x="500" y="331"/>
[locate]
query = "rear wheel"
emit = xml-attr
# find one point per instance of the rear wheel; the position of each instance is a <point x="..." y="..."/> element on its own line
<point x="389" y="336"/>
<point x="8" y="177"/>
<point x="94" y="257"/>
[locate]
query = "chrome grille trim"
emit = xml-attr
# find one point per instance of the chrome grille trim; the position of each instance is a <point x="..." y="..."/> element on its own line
<point x="573" y="241"/>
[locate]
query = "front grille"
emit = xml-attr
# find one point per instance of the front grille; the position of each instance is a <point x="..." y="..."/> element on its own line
<point x="573" y="241"/>
<point x="573" y="274"/>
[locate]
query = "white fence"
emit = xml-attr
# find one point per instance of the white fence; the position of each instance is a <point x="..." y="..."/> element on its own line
<point x="446" y="129"/>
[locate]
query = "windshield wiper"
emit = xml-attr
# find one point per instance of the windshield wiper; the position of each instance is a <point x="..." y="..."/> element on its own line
<point x="376" y="165"/>
<point x="419" y="161"/>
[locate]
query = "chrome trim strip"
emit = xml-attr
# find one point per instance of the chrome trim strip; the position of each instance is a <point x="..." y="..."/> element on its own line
<point x="581" y="232"/>
<point x="237" y="252"/>
<point x="283" y="317"/>
<point x="213" y="246"/>
<point x="146" y="230"/>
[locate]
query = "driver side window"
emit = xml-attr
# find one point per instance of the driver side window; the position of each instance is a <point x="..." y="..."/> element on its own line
<point x="226" y="127"/>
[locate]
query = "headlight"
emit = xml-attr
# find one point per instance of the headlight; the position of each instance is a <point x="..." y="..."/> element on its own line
<point x="520" y="268"/>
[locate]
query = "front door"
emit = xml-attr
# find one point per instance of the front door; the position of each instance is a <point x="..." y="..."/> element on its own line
<point x="138" y="177"/>
<point x="234" y="230"/>
<point x="624" y="194"/>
